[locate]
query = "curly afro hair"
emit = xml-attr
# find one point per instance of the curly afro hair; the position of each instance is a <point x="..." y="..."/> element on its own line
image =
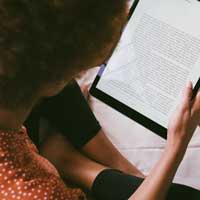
<point x="43" y="40"/>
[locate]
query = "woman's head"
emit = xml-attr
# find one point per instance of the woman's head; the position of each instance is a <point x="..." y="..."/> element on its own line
<point x="45" y="42"/>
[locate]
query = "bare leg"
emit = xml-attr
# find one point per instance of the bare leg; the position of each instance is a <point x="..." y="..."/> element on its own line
<point x="69" y="162"/>
<point x="103" y="151"/>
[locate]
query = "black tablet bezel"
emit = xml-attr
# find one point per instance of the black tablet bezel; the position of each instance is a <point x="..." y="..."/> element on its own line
<point x="124" y="109"/>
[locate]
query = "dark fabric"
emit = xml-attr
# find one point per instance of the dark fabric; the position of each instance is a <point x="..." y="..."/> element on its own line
<point x="68" y="113"/>
<point x="183" y="192"/>
<point x="115" y="185"/>
<point x="32" y="125"/>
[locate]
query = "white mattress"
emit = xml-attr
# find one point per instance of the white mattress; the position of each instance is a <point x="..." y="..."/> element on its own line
<point x="139" y="145"/>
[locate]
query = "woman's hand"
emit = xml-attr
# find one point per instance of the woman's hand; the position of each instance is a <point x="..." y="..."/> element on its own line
<point x="181" y="128"/>
<point x="185" y="120"/>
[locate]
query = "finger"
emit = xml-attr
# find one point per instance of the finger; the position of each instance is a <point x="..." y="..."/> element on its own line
<point x="187" y="95"/>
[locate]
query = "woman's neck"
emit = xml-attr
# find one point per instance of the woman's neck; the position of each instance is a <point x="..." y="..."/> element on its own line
<point x="13" y="120"/>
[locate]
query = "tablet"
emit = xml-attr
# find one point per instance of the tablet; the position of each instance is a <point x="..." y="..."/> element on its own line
<point x="158" y="53"/>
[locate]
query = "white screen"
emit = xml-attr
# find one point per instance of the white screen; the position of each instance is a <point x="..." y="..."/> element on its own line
<point x="159" y="52"/>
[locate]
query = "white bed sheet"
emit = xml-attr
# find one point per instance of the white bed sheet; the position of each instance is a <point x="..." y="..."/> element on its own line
<point x="139" y="145"/>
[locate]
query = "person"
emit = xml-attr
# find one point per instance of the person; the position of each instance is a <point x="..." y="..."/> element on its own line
<point x="88" y="138"/>
<point x="69" y="114"/>
<point x="43" y="45"/>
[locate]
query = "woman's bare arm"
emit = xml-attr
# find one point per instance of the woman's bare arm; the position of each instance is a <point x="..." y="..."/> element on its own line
<point x="156" y="185"/>
<point x="181" y="128"/>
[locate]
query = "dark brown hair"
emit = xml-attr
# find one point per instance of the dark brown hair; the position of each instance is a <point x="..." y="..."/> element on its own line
<point x="42" y="40"/>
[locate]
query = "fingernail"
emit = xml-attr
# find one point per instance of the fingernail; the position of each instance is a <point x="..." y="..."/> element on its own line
<point x="189" y="84"/>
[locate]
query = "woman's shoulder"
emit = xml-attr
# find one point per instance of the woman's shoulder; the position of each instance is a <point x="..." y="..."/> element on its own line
<point x="24" y="174"/>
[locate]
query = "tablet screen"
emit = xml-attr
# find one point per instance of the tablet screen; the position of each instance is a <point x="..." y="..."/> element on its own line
<point x="159" y="52"/>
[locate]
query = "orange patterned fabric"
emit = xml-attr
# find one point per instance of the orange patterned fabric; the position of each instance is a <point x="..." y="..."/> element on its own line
<point x="25" y="175"/>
